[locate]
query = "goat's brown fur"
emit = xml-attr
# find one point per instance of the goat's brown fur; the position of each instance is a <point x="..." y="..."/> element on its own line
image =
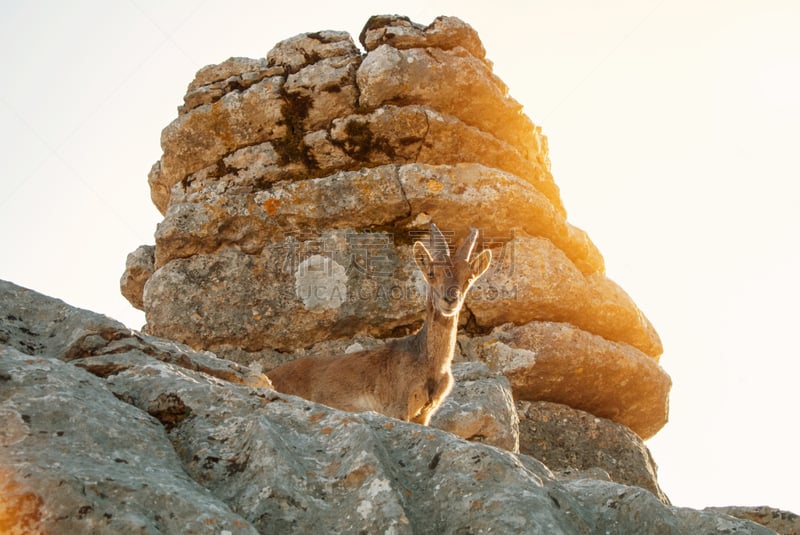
<point x="410" y="377"/>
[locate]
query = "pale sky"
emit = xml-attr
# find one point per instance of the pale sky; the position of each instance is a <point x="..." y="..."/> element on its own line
<point x="674" y="127"/>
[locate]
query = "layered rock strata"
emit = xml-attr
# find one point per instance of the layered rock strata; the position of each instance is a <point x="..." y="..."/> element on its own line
<point x="293" y="186"/>
<point x="576" y="444"/>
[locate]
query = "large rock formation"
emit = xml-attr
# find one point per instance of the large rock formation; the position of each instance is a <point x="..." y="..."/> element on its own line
<point x="109" y="431"/>
<point x="292" y="188"/>
<point x="577" y="444"/>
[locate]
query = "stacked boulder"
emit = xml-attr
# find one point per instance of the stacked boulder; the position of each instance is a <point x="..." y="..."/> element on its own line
<point x="292" y="189"/>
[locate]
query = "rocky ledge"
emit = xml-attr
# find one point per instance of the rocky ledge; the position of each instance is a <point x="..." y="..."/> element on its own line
<point x="107" y="430"/>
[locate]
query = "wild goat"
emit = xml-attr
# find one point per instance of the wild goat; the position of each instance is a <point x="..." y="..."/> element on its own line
<point x="409" y="377"/>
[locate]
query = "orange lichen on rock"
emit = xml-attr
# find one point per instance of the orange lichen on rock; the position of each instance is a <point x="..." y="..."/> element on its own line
<point x="20" y="509"/>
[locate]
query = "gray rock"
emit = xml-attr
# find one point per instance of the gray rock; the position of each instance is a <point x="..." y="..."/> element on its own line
<point x="212" y="82"/>
<point x="501" y="204"/>
<point x="783" y="522"/>
<point x="39" y="325"/>
<point x="324" y="90"/>
<point x="204" y="219"/>
<point x="337" y="284"/>
<point x="414" y="133"/>
<point x="480" y="408"/>
<point x="620" y="509"/>
<point x="248" y="168"/>
<point x="291" y="466"/>
<point x="692" y="521"/>
<point x="138" y="268"/>
<point x="571" y="442"/>
<point x="105" y="361"/>
<point x="75" y="459"/>
<point x="305" y="49"/>
<point x="85" y="453"/>
<point x="399" y="32"/>
<point x="36" y="324"/>
<point x="202" y="136"/>
<point x="205" y="215"/>
<point x="286" y="465"/>
<point x="230" y="68"/>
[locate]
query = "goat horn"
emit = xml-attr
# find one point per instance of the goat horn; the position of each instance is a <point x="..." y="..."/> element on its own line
<point x="439" y="247"/>
<point x="468" y="245"/>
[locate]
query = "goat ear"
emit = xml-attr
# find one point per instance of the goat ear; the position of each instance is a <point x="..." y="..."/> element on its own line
<point x="422" y="258"/>
<point x="480" y="263"/>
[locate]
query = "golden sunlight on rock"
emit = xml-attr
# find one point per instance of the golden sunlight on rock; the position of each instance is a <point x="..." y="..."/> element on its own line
<point x="321" y="156"/>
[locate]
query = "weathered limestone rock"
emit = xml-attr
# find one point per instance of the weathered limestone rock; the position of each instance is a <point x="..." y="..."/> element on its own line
<point x="418" y="134"/>
<point x="452" y="82"/>
<point x="203" y="219"/>
<point x="292" y="188"/>
<point x="139" y="268"/>
<point x="499" y="204"/>
<point x="782" y="522"/>
<point x="231" y="68"/>
<point x="366" y="473"/>
<point x="621" y="503"/>
<point x="310" y="79"/>
<point x="568" y="441"/>
<point x="210" y="222"/>
<point x="552" y="288"/>
<point x="234" y="74"/>
<point x="480" y="408"/>
<point x="305" y="82"/>
<point x="39" y="325"/>
<point x="146" y="444"/>
<point x="338" y="284"/>
<point x="401" y="33"/>
<point x="326" y="89"/>
<point x="205" y="134"/>
<point x="296" y="52"/>
<point x="557" y="362"/>
<point x="75" y="459"/>
<point x="320" y="84"/>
